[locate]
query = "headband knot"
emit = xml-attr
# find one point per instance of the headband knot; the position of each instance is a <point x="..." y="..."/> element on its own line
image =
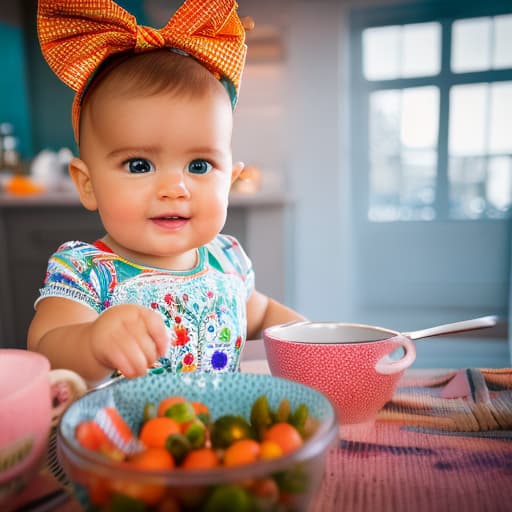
<point x="148" y="38"/>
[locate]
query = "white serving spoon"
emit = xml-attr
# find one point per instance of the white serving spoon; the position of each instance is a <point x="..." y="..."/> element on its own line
<point x="466" y="325"/>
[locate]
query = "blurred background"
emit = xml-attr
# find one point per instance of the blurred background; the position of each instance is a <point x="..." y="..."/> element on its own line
<point x="378" y="135"/>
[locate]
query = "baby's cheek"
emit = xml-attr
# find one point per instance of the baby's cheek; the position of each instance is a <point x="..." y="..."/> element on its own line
<point x="119" y="209"/>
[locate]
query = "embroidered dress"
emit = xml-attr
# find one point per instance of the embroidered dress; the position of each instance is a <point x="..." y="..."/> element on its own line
<point x="204" y="309"/>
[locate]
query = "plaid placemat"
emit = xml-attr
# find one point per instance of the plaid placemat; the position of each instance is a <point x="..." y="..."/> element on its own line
<point x="466" y="402"/>
<point x="442" y="444"/>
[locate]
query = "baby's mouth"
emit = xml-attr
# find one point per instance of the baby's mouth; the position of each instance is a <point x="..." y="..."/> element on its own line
<point x="170" y="221"/>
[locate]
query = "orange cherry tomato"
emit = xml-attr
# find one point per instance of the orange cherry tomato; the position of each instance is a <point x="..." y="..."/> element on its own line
<point x="150" y="459"/>
<point x="200" y="408"/>
<point x="203" y="458"/>
<point x="243" y="451"/>
<point x="155" y="431"/>
<point x="270" y="450"/>
<point x="89" y="435"/>
<point x="285" y="435"/>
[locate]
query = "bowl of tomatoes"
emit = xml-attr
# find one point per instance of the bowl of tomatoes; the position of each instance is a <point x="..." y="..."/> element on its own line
<point x="196" y="441"/>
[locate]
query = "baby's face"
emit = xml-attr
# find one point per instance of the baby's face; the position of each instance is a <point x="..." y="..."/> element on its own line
<point x="161" y="170"/>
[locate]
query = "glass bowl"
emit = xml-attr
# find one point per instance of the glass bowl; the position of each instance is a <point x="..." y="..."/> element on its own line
<point x="102" y="484"/>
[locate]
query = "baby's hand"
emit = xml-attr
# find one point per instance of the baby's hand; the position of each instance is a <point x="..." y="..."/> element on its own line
<point x="128" y="338"/>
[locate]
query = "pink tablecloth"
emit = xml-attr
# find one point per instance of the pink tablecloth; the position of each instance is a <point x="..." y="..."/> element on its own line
<point x="444" y="443"/>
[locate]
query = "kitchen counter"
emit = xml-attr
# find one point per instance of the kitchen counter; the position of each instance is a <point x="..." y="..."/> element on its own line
<point x="70" y="198"/>
<point x="44" y="199"/>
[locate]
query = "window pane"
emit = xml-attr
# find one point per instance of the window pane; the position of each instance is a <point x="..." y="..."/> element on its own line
<point x="499" y="186"/>
<point x="402" y="51"/>
<point x="468" y="113"/>
<point x="500" y="139"/>
<point x="381" y="52"/>
<point x="384" y="155"/>
<point x="480" y="147"/>
<point x="418" y="184"/>
<point x="420" y="117"/>
<point x="421" y="49"/>
<point x="471" y="43"/>
<point x="467" y="187"/>
<point x="503" y="41"/>
<point x="403" y="138"/>
<point x="480" y="187"/>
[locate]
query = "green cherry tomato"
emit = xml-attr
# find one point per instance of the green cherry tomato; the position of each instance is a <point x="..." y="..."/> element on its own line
<point x="196" y="434"/>
<point x="181" y="412"/>
<point x="261" y="416"/>
<point x="228" y="498"/>
<point x="122" y="503"/>
<point x="178" y="446"/>
<point x="228" y="429"/>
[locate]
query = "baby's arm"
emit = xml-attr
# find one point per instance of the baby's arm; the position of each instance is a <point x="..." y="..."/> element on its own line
<point x="128" y="338"/>
<point x="263" y="312"/>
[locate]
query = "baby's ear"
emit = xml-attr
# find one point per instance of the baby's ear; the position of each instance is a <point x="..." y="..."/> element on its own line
<point x="81" y="177"/>
<point x="238" y="167"/>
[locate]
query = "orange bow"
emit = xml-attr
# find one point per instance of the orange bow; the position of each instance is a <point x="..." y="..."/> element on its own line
<point x="76" y="36"/>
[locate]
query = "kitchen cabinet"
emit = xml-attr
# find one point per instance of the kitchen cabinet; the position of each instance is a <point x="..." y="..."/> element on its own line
<point x="30" y="232"/>
<point x="31" y="229"/>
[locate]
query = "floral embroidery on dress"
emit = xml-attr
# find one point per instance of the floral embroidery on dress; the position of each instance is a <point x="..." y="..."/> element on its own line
<point x="203" y="309"/>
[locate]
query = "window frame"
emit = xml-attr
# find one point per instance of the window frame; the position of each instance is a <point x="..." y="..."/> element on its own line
<point x="444" y="13"/>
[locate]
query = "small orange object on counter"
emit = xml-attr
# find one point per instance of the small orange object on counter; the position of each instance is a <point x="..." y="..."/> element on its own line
<point x="21" y="185"/>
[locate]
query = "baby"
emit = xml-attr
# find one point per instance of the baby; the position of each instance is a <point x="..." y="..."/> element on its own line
<point x="153" y="120"/>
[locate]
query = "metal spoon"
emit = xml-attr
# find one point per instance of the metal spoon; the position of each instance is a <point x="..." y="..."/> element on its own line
<point x="466" y="325"/>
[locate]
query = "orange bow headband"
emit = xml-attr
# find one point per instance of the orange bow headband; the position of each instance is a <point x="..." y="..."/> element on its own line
<point x="76" y="37"/>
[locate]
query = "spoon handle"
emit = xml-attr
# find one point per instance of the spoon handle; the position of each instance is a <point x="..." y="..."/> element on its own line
<point x="466" y="325"/>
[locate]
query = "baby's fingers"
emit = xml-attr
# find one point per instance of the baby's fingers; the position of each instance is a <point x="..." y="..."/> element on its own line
<point x="156" y="329"/>
<point x="132" y="363"/>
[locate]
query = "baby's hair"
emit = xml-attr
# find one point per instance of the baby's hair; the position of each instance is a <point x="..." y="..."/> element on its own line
<point x="154" y="72"/>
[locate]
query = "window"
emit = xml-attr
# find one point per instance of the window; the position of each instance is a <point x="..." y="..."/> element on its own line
<point x="437" y="95"/>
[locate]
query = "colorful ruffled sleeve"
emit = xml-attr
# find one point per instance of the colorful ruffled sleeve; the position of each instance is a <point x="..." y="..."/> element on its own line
<point x="227" y="255"/>
<point x="72" y="274"/>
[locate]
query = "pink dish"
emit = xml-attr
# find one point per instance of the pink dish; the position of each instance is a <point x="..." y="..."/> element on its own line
<point x="32" y="397"/>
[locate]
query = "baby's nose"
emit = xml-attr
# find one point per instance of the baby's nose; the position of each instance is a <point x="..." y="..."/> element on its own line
<point x="172" y="184"/>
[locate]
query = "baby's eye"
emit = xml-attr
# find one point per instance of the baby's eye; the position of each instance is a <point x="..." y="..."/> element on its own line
<point x="199" y="167"/>
<point x="139" y="165"/>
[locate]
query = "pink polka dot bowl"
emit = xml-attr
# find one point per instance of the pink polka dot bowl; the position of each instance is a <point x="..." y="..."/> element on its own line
<point x="356" y="366"/>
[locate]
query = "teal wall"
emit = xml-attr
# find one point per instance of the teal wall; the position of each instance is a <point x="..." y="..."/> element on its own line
<point x="49" y="99"/>
<point x="32" y="98"/>
<point x="13" y="86"/>
<point x="136" y="7"/>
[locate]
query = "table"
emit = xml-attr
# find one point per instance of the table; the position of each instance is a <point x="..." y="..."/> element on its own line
<point x="443" y="443"/>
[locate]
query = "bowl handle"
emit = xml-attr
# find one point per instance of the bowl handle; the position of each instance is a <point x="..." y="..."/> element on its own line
<point x="66" y="387"/>
<point x="388" y="366"/>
